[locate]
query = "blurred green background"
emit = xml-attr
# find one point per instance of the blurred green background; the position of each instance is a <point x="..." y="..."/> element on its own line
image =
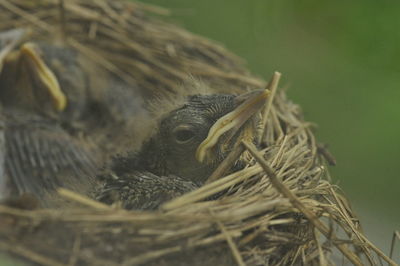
<point x="340" y="60"/>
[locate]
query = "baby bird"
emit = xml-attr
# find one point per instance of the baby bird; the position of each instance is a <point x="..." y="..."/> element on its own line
<point x="61" y="117"/>
<point x="39" y="152"/>
<point x="166" y="166"/>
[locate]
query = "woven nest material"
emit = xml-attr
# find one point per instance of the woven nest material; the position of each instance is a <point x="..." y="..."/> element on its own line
<point x="281" y="209"/>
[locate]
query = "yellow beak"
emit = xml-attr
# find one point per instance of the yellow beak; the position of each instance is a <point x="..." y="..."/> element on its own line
<point x="232" y="121"/>
<point x="30" y="52"/>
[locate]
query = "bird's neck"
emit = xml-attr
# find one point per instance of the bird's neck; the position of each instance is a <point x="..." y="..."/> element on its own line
<point x="150" y="158"/>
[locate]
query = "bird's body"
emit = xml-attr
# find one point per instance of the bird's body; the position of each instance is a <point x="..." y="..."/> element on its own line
<point x="142" y="190"/>
<point x="41" y="151"/>
<point x="41" y="155"/>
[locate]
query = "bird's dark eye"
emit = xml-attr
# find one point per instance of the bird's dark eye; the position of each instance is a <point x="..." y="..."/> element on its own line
<point x="183" y="134"/>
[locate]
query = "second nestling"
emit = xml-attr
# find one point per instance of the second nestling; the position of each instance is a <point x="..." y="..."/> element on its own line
<point x="62" y="116"/>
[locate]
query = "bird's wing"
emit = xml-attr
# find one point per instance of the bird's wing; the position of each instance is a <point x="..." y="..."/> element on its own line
<point x="142" y="190"/>
<point x="41" y="158"/>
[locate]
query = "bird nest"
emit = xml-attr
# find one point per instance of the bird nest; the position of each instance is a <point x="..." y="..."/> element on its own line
<point x="280" y="209"/>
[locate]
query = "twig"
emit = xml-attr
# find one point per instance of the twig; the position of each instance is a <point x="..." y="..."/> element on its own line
<point x="151" y="255"/>
<point x="272" y="87"/>
<point x="17" y="212"/>
<point x="344" y="213"/>
<point x="211" y="188"/>
<point x="29" y="254"/>
<point x="297" y="203"/>
<point x="323" y="150"/>
<point x="68" y="194"/>
<point x="27" y="16"/>
<point x="322" y="259"/>
<point x="165" y="251"/>
<point x="396" y="234"/>
<point x="154" y="9"/>
<point x="226" y="163"/>
<point x="63" y="23"/>
<point x="232" y="245"/>
<point x="75" y="251"/>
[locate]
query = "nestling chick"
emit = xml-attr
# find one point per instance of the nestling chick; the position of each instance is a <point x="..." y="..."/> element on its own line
<point x="62" y="117"/>
<point x="40" y="155"/>
<point x="170" y="155"/>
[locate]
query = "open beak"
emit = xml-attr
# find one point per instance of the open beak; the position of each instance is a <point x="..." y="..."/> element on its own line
<point x="8" y="41"/>
<point x="248" y="105"/>
<point x="42" y="73"/>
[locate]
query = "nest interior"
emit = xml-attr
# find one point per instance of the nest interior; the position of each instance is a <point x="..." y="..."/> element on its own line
<point x="281" y="209"/>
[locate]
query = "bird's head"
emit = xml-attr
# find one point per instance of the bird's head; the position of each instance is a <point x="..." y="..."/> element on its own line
<point x="41" y="77"/>
<point x="194" y="138"/>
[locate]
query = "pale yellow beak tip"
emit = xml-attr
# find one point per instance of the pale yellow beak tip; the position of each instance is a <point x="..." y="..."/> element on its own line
<point x="60" y="102"/>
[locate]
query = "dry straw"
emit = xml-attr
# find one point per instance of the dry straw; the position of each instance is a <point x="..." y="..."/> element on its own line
<point x="281" y="209"/>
